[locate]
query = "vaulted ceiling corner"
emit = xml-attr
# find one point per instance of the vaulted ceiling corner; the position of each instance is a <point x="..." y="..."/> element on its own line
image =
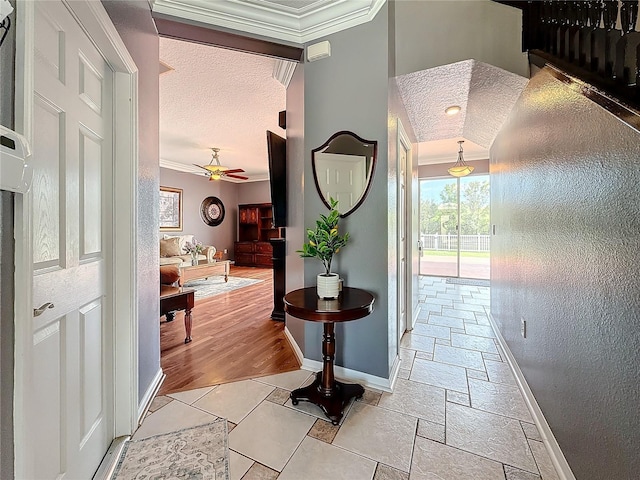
<point x="486" y="94"/>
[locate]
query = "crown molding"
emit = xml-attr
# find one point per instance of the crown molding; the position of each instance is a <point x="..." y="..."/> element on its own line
<point x="271" y="20"/>
<point x="283" y="71"/>
<point x="183" y="167"/>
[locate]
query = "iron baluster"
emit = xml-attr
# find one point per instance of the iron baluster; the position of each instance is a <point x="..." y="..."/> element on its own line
<point x="595" y="17"/>
<point x="609" y="19"/>
<point x="628" y="18"/>
<point x="582" y="19"/>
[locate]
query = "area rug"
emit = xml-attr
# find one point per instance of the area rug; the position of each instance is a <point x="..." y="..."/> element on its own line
<point x="216" y="285"/>
<point x="469" y="281"/>
<point x="200" y="453"/>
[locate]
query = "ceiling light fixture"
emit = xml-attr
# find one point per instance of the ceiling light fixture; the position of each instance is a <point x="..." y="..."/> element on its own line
<point x="460" y="169"/>
<point x="215" y="171"/>
<point x="452" y="110"/>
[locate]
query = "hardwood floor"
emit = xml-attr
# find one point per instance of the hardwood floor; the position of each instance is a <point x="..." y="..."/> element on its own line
<point x="234" y="338"/>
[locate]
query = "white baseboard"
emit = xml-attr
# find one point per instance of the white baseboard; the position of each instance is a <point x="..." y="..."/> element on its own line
<point x="294" y="345"/>
<point x="365" y="379"/>
<point x="414" y="320"/>
<point x="557" y="457"/>
<point x="149" y="395"/>
<point x="395" y="370"/>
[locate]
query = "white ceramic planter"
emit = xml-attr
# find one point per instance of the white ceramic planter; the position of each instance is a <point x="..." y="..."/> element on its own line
<point x="328" y="286"/>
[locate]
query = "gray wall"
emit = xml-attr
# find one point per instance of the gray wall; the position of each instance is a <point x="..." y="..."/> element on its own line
<point x="296" y="162"/>
<point x="348" y="91"/>
<point x="133" y="21"/>
<point x="195" y="188"/>
<point x="254" y="192"/>
<point x="566" y="204"/>
<point x="438" y="32"/>
<point x="7" y="334"/>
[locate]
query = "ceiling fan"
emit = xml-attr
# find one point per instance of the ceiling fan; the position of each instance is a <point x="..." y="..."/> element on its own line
<point x="215" y="171"/>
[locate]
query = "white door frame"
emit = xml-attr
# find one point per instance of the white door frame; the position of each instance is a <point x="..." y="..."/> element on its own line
<point x="403" y="143"/>
<point x="96" y="22"/>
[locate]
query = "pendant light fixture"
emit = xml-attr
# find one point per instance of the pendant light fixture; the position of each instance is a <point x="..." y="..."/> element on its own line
<point x="460" y="169"/>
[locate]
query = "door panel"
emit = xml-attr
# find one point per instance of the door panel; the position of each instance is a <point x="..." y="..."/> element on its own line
<point x="49" y="136"/>
<point x="343" y="178"/>
<point x="71" y="418"/>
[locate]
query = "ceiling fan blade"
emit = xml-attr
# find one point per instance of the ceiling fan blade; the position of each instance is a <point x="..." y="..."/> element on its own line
<point x="235" y="170"/>
<point x="239" y="177"/>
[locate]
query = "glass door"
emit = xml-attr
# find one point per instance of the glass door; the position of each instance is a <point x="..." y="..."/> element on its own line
<point x="474" y="227"/>
<point x="454" y="227"/>
<point x="438" y="227"/>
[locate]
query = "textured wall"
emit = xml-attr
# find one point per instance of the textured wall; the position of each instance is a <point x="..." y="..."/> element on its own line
<point x="348" y="91"/>
<point x="480" y="29"/>
<point x="132" y="19"/>
<point x="195" y="188"/>
<point x="296" y="159"/>
<point x="566" y="204"/>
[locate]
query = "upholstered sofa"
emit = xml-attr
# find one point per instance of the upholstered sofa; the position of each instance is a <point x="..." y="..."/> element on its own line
<point x="172" y="251"/>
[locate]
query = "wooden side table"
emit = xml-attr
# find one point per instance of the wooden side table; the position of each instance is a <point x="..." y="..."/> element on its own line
<point x="178" y="298"/>
<point x="325" y="391"/>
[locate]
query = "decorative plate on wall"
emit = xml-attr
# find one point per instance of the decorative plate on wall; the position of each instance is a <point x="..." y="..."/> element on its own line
<point x="212" y="211"/>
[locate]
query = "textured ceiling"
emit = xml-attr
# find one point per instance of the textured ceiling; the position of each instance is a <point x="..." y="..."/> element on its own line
<point x="217" y="98"/>
<point x="485" y="93"/>
<point x="227" y="99"/>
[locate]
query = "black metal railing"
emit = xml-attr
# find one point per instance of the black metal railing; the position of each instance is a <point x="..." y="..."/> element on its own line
<point x="594" y="40"/>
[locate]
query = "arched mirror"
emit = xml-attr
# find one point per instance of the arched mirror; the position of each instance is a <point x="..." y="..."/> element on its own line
<point x="343" y="169"/>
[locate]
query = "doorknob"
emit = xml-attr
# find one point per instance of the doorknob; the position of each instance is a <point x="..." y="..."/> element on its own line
<point x="38" y="311"/>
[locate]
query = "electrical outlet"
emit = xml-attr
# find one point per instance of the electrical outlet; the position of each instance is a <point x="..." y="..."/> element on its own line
<point x="225" y="251"/>
<point x="523" y="327"/>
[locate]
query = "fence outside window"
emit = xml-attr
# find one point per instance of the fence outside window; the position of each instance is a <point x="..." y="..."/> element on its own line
<point x="468" y="243"/>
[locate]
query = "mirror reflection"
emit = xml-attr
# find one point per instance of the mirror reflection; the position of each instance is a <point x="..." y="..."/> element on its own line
<point x="343" y="169"/>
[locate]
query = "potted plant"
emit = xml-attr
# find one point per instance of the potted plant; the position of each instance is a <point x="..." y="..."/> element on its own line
<point x="324" y="242"/>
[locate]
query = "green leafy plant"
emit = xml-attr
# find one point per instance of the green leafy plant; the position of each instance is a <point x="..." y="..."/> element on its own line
<point x="324" y="242"/>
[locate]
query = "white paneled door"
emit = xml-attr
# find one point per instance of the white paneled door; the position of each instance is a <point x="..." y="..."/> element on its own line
<point x="70" y="414"/>
<point x="343" y="178"/>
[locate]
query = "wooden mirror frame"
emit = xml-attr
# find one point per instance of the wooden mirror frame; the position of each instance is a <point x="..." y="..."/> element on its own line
<point x="366" y="144"/>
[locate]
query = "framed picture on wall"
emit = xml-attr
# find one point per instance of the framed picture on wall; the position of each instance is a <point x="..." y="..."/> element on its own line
<point x="170" y="208"/>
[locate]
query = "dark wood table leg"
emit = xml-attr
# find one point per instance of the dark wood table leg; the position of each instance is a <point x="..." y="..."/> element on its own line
<point x="187" y="315"/>
<point x="187" y="325"/>
<point x="327" y="393"/>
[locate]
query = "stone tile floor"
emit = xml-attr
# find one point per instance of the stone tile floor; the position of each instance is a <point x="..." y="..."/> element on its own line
<point x="455" y="413"/>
